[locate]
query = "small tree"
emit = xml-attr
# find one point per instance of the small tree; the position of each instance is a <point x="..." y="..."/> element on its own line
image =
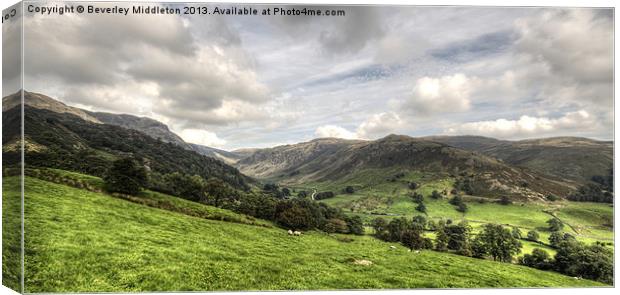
<point x="554" y="239"/>
<point x="355" y="225"/>
<point x="436" y="195"/>
<point x="516" y="232"/>
<point x="126" y="176"/>
<point x="499" y="242"/>
<point x="286" y="191"/>
<point x="504" y="200"/>
<point x="421" y="207"/>
<point x="538" y="259"/>
<point x="462" y="207"/>
<point x="555" y="224"/>
<point x="349" y="189"/>
<point x="417" y="197"/>
<point x="336" y="225"/>
<point x="532" y="236"/>
<point x="413" y="185"/>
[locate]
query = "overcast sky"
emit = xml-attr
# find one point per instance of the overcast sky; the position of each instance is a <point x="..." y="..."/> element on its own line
<point x="233" y="82"/>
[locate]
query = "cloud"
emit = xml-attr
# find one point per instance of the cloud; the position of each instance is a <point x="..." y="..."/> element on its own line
<point x="574" y="42"/>
<point x="202" y="137"/>
<point x="379" y="125"/>
<point x="527" y="126"/>
<point x="157" y="58"/>
<point x="334" y="131"/>
<point x="440" y="95"/>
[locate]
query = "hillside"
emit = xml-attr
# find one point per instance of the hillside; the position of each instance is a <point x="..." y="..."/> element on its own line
<point x="83" y="241"/>
<point x="65" y="141"/>
<point x="572" y="158"/>
<point x="148" y="126"/>
<point x="328" y="160"/>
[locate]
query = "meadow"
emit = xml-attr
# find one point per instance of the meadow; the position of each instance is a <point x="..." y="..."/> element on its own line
<point x="80" y="241"/>
<point x="375" y="197"/>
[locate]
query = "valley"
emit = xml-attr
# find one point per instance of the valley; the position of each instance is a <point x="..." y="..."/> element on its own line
<point x="120" y="203"/>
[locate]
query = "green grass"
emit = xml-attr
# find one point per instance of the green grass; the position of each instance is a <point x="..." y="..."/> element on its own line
<point x="589" y="222"/>
<point x="83" y="241"/>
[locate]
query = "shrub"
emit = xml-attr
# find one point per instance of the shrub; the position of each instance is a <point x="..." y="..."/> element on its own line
<point x="539" y="259"/>
<point x="532" y="236"/>
<point x="421" y="207"/>
<point x="126" y="176"/>
<point x="436" y="195"/>
<point x="555" y="224"/>
<point x="355" y="225"/>
<point x="336" y="225"/>
<point x="349" y="189"/>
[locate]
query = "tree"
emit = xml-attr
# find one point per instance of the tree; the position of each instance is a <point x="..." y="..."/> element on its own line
<point x="417" y="197"/>
<point x="499" y="242"/>
<point x="286" y="191"/>
<point x="454" y="237"/>
<point x="555" y="224"/>
<point x="349" y="189"/>
<point x="532" y="236"/>
<point x="396" y="227"/>
<point x="462" y="207"/>
<point x="336" y="225"/>
<point x="516" y="232"/>
<point x="126" y="176"/>
<point x="554" y="239"/>
<point x="504" y="200"/>
<point x="218" y="192"/>
<point x="539" y="259"/>
<point x="419" y="219"/>
<point x="421" y="207"/>
<point x="355" y="225"/>
<point x="593" y="262"/>
<point x="413" y="239"/>
<point x="413" y="185"/>
<point x="381" y="228"/>
<point x="436" y="195"/>
<point x="302" y="194"/>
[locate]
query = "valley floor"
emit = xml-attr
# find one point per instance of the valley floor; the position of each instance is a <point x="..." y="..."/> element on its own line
<point x="82" y="241"/>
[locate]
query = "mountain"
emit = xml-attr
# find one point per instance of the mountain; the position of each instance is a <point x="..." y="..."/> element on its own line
<point x="572" y="158"/>
<point x="328" y="159"/>
<point x="148" y="126"/>
<point x="41" y="101"/>
<point x="227" y="157"/>
<point x="66" y="141"/>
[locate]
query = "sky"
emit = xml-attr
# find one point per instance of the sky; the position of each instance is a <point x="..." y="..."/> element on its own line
<point x="259" y="81"/>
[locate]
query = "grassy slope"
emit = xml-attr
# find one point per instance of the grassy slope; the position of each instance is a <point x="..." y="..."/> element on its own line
<point x="590" y="221"/>
<point x="85" y="241"/>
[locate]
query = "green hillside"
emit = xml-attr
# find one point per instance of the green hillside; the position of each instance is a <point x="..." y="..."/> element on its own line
<point x="375" y="197"/>
<point x="82" y="241"/>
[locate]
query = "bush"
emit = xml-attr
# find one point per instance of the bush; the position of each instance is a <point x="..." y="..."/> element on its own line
<point x="336" y="225"/>
<point x="421" y="207"/>
<point x="462" y="207"/>
<point x="539" y="259"/>
<point x="504" y="200"/>
<point x="552" y="198"/>
<point x="126" y="176"/>
<point x="349" y="189"/>
<point x="412" y="185"/>
<point x="498" y="242"/>
<point x="532" y="236"/>
<point x="593" y="262"/>
<point x="324" y="195"/>
<point x="436" y="195"/>
<point x="555" y="224"/>
<point x="355" y="225"/>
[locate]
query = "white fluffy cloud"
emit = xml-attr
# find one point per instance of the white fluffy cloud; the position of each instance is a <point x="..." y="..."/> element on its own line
<point x="334" y="131"/>
<point x="527" y="126"/>
<point x="202" y="137"/>
<point x="379" y="125"/>
<point x="444" y="94"/>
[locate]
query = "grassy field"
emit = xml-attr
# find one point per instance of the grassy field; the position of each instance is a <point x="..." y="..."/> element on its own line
<point x="589" y="222"/>
<point x="80" y="241"/>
